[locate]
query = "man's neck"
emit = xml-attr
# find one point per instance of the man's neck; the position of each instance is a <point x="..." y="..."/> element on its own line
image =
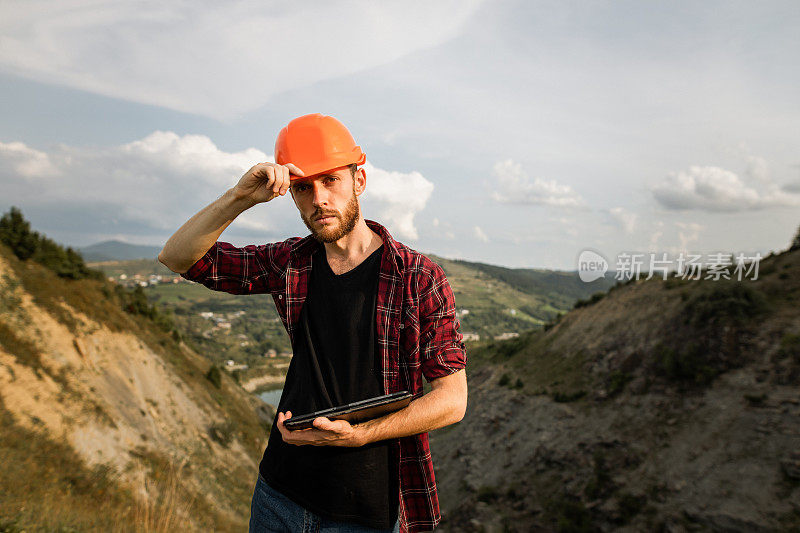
<point x="355" y="245"/>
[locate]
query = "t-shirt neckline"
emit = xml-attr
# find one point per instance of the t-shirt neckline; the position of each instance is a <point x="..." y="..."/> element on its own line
<point x="345" y="275"/>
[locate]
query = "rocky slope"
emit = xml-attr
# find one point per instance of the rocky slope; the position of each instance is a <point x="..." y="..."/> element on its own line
<point x="665" y="406"/>
<point x="75" y="368"/>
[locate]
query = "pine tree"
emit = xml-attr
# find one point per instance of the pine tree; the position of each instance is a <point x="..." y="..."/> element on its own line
<point x="15" y="232"/>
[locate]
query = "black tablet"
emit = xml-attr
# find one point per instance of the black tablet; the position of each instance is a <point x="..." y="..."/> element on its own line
<point x="354" y="412"/>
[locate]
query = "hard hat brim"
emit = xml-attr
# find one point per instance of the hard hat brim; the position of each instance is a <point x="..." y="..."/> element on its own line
<point x="340" y="160"/>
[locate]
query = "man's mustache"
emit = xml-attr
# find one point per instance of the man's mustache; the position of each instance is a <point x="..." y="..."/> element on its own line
<point x="320" y="214"/>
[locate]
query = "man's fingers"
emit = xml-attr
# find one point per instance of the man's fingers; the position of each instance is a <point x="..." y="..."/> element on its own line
<point x="286" y="179"/>
<point x="294" y="170"/>
<point x="273" y="177"/>
<point x="276" y="174"/>
<point x="284" y="184"/>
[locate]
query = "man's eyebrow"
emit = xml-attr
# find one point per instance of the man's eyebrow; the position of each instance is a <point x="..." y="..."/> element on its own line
<point x="308" y="180"/>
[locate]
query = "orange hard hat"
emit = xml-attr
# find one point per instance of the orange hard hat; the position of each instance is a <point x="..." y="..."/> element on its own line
<point x="316" y="143"/>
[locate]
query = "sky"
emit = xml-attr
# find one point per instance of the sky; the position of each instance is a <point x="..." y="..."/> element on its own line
<point x="514" y="133"/>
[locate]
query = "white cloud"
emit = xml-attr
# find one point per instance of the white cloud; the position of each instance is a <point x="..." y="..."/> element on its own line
<point x="397" y="197"/>
<point x="624" y="218"/>
<point x="17" y="158"/>
<point x="156" y="183"/>
<point x="712" y="188"/>
<point x="479" y="234"/>
<point x="512" y="185"/>
<point x="215" y="59"/>
<point x="688" y="232"/>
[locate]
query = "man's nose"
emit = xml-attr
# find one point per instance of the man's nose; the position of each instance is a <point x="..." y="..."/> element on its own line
<point x="320" y="194"/>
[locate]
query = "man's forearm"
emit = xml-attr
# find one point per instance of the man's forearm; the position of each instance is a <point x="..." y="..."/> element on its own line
<point x="436" y="409"/>
<point x="199" y="233"/>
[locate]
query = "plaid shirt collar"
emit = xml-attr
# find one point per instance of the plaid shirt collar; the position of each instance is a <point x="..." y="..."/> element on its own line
<point x="306" y="246"/>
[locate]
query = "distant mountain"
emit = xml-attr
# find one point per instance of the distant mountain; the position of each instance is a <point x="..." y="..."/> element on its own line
<point x="118" y="251"/>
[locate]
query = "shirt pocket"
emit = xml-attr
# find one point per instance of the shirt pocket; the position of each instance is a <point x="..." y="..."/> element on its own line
<point x="409" y="331"/>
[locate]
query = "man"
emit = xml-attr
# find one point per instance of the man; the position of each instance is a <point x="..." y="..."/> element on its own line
<point x="366" y="316"/>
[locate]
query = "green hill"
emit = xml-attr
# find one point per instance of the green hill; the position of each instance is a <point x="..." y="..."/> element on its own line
<point x="663" y="405"/>
<point x="504" y="299"/>
<point x="491" y="301"/>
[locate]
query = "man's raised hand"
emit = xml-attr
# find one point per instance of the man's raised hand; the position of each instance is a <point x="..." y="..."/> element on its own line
<point x="265" y="181"/>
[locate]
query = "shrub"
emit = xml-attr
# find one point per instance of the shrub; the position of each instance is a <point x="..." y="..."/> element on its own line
<point x="507" y="348"/>
<point x="629" y="506"/>
<point x="565" y="397"/>
<point x="214" y="376"/>
<point x="553" y="322"/>
<point x="790" y="347"/>
<point x="685" y="365"/>
<point x="617" y="381"/>
<point x="755" y="400"/>
<point x="568" y="514"/>
<point x="600" y="483"/>
<point x="724" y="301"/>
<point x="487" y="494"/>
<point x="134" y="301"/>
<point x="596" y="297"/>
<point x="221" y="432"/>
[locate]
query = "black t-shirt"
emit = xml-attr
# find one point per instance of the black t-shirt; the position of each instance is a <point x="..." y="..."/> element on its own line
<point x="336" y="361"/>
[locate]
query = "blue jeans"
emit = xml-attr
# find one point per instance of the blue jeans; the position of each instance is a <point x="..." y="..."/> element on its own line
<point x="272" y="512"/>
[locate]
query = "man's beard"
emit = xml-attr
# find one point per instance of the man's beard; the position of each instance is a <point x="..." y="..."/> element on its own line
<point x="347" y="221"/>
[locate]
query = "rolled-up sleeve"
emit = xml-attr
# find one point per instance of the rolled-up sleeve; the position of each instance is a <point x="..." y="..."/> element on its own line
<point x="441" y="348"/>
<point x="252" y="269"/>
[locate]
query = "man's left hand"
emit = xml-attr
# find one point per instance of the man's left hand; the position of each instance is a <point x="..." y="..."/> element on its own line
<point x="324" y="433"/>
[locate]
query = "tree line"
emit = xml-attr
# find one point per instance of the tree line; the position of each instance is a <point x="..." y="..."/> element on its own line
<point x="16" y="233"/>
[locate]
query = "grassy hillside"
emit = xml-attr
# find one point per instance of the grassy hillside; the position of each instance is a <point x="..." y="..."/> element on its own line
<point x="131" y="267"/>
<point x="44" y="474"/>
<point x="503" y="299"/>
<point x="112" y="415"/>
<point x="664" y="405"/>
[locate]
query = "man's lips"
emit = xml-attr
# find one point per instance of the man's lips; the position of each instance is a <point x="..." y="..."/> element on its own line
<point x="325" y="218"/>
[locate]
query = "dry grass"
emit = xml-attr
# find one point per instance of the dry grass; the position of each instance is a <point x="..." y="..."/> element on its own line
<point x="45" y="486"/>
<point x="163" y="508"/>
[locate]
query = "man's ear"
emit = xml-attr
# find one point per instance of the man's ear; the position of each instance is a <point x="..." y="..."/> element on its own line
<point x="360" y="180"/>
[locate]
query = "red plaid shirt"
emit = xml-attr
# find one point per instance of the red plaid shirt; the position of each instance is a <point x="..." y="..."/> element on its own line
<point x="417" y="332"/>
